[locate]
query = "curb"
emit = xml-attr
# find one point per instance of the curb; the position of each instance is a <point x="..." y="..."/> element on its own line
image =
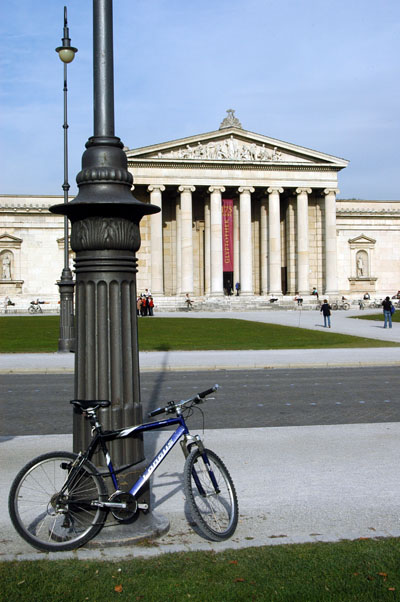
<point x="215" y="367"/>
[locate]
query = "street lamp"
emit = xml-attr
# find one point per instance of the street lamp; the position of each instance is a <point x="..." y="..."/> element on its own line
<point x="66" y="52"/>
<point x="105" y="236"/>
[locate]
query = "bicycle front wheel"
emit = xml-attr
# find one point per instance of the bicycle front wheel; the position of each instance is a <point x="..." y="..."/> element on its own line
<point x="211" y="495"/>
<point x="51" y="502"/>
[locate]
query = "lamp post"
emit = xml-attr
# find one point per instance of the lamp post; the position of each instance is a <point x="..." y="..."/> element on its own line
<point x="105" y="236"/>
<point x="66" y="52"/>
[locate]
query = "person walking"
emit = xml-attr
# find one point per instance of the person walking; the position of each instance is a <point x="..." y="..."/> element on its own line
<point x="387" y="312"/>
<point x="326" y="311"/>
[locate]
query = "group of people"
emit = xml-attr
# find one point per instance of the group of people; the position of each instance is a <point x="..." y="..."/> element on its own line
<point x="145" y="304"/>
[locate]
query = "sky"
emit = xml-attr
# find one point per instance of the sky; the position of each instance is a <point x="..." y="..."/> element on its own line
<point x="323" y="74"/>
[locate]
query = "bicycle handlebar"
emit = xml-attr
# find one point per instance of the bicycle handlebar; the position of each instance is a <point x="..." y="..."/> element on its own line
<point x="173" y="405"/>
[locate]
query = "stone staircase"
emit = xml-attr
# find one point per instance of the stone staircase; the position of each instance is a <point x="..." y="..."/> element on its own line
<point x="233" y="303"/>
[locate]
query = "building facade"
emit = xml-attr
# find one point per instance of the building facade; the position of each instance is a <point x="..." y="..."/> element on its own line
<point x="235" y="207"/>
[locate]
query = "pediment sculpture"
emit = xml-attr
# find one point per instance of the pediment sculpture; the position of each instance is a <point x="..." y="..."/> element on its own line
<point x="229" y="149"/>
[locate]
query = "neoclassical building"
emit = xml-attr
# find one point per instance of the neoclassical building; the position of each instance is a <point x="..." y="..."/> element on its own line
<point x="235" y="207"/>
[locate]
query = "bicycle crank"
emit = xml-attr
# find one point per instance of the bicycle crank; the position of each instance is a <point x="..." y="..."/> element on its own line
<point x="127" y="509"/>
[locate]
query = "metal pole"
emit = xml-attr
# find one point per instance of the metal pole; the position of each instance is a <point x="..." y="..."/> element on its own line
<point x="66" y="283"/>
<point x="66" y="185"/>
<point x="103" y="69"/>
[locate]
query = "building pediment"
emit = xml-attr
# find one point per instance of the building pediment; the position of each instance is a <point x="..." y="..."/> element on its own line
<point x="9" y="241"/>
<point x="362" y="240"/>
<point x="233" y="145"/>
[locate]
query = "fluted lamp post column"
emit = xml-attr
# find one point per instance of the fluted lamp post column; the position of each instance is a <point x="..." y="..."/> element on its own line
<point x="66" y="52"/>
<point x="105" y="237"/>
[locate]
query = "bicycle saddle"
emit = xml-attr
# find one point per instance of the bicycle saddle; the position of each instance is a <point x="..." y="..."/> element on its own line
<point x="83" y="404"/>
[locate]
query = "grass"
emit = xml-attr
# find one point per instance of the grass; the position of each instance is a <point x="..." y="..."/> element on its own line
<point x="216" y="334"/>
<point x="39" y="334"/>
<point x="361" y="570"/>
<point x="29" y="334"/>
<point x="379" y="317"/>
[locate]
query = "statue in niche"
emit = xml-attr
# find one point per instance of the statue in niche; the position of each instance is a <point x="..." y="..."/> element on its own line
<point x="361" y="266"/>
<point x="6" y="267"/>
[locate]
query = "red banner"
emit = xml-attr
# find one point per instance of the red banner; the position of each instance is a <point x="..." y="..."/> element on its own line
<point x="227" y="234"/>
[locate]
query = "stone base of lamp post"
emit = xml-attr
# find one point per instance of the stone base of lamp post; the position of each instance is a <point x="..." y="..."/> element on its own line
<point x="146" y="527"/>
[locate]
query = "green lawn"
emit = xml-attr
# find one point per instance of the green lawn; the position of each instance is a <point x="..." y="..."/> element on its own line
<point x="29" y="334"/>
<point x="216" y="334"/>
<point x="379" y="317"/>
<point x="362" y="570"/>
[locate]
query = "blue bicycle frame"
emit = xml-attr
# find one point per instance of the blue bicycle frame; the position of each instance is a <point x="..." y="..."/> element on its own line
<point x="102" y="437"/>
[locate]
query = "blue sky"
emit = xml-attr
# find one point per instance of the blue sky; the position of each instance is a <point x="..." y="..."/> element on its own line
<point x="323" y="74"/>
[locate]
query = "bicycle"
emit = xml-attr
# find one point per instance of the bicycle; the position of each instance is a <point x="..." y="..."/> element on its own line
<point x="59" y="500"/>
<point x="35" y="308"/>
<point x="340" y="305"/>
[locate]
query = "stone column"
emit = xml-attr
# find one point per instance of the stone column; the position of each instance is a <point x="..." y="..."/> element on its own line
<point x="303" y="286"/>
<point x="157" y="261"/>
<point x="291" y="248"/>
<point x="264" y="246"/>
<point x="274" y="247"/>
<point x="186" y="239"/>
<point x="246" y="254"/>
<point x="207" y="247"/>
<point x="331" y="286"/>
<point x="217" y="279"/>
<point x="178" y="288"/>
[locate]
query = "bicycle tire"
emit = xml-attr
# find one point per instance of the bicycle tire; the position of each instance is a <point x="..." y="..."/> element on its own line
<point x="31" y="310"/>
<point x="334" y="306"/>
<point x="346" y="306"/>
<point x="215" y="513"/>
<point x="33" y="497"/>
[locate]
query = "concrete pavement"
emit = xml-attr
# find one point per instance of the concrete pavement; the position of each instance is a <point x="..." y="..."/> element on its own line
<point x="294" y="484"/>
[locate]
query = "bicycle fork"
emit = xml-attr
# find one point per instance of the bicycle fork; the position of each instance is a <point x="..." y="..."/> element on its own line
<point x="186" y="445"/>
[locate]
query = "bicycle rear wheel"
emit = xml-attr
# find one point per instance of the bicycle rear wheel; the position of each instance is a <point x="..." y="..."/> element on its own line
<point x="211" y="495"/>
<point x="48" y="519"/>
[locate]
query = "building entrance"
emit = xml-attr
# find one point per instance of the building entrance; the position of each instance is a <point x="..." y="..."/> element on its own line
<point x="228" y="283"/>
